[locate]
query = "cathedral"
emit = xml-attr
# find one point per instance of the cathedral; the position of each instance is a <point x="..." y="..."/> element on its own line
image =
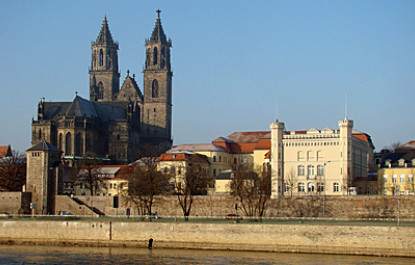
<point x="114" y="123"/>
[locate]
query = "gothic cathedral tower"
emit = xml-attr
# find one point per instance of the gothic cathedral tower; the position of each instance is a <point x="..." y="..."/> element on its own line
<point x="157" y="113"/>
<point x="103" y="75"/>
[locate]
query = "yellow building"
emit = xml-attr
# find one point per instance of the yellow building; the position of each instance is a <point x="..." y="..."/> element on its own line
<point x="396" y="174"/>
<point x="178" y="163"/>
<point x="327" y="161"/>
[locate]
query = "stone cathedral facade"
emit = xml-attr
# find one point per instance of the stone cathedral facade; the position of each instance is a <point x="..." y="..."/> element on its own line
<point x="115" y="123"/>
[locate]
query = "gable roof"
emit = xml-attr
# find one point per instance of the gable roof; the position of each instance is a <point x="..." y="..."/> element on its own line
<point x="5" y="151"/>
<point x="130" y="89"/>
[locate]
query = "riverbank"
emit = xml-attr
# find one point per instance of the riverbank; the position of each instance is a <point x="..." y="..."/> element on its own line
<point x="290" y="238"/>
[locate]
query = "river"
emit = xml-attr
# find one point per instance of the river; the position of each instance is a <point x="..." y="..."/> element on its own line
<point x="16" y="254"/>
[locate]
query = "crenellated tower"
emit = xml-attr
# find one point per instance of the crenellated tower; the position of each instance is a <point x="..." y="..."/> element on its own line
<point x="103" y="74"/>
<point x="157" y="112"/>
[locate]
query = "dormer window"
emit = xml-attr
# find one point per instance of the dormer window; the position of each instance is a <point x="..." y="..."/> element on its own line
<point x="388" y="163"/>
<point x="401" y="162"/>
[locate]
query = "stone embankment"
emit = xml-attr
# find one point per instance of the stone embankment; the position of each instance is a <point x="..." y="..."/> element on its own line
<point x="294" y="238"/>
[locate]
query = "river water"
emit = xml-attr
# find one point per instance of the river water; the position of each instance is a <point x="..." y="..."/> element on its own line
<point x="14" y="254"/>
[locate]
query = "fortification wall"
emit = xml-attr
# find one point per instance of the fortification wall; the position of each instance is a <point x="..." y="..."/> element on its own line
<point x="298" y="238"/>
<point x="15" y="202"/>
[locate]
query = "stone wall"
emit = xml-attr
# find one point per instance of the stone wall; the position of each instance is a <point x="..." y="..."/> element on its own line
<point x="296" y="238"/>
<point x="306" y="206"/>
<point x="15" y="202"/>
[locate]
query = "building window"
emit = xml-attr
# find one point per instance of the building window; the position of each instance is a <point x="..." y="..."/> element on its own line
<point x="214" y="172"/>
<point x="101" y="58"/>
<point x="100" y="90"/>
<point x="310" y="156"/>
<point x="301" y="171"/>
<point x="173" y="169"/>
<point x="301" y="187"/>
<point x="155" y="55"/>
<point x="311" y="172"/>
<point x="394" y="178"/>
<point x="300" y="156"/>
<point x="336" y="187"/>
<point x="286" y="187"/>
<point x="402" y="178"/>
<point x="220" y="159"/>
<point x="155" y="89"/>
<point x="320" y="186"/>
<point x="214" y="158"/>
<point x="385" y="178"/>
<point x="410" y="178"/>
<point x="310" y="187"/>
<point x="320" y="170"/>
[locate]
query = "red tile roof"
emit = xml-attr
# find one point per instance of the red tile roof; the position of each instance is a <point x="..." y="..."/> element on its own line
<point x="5" y="151"/>
<point x="183" y="157"/>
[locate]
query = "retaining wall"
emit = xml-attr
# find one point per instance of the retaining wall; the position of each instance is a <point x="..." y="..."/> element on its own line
<point x="351" y="240"/>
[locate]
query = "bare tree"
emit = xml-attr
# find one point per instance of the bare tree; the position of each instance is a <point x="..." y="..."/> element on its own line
<point x="194" y="182"/>
<point x="13" y="172"/>
<point x="291" y="179"/>
<point x="253" y="190"/>
<point x="391" y="148"/>
<point x="87" y="173"/>
<point x="145" y="182"/>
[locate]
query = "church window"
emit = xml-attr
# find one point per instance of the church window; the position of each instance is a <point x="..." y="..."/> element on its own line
<point x="100" y="90"/>
<point x="78" y="144"/>
<point x="68" y="144"/>
<point x="40" y="134"/>
<point x="155" y="55"/>
<point x="101" y="58"/>
<point x="155" y="89"/>
<point x="60" y="141"/>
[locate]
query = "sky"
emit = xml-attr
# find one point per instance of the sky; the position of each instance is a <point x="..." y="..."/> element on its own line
<point x="237" y="65"/>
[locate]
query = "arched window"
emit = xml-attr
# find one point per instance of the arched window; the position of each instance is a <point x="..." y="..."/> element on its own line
<point x="68" y="144"/>
<point x="40" y="134"/>
<point x="78" y="144"/>
<point x="101" y="58"/>
<point x="310" y="187"/>
<point x="60" y="141"/>
<point x="100" y="90"/>
<point x="155" y="55"/>
<point x="155" y="89"/>
<point x="311" y="173"/>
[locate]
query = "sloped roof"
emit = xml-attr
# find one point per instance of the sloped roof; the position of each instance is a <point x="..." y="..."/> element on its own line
<point x="408" y="147"/>
<point x="104" y="37"/>
<point x="197" y="147"/>
<point x="5" y="151"/>
<point x="130" y="89"/>
<point x="80" y="107"/>
<point x="45" y="146"/>
<point x="183" y="157"/>
<point x="112" y="171"/>
<point x="158" y="35"/>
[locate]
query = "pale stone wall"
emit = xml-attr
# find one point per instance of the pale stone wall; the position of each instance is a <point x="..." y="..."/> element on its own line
<point x="333" y="206"/>
<point x="299" y="238"/>
<point x="12" y="202"/>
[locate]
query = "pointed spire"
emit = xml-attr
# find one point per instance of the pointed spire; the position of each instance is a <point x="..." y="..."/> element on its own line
<point x="104" y="37"/>
<point x="158" y="33"/>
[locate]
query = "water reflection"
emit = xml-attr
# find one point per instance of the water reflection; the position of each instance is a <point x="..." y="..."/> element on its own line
<point x="94" y="255"/>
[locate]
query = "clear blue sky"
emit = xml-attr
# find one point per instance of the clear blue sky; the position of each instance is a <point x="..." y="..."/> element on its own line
<point x="230" y="59"/>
